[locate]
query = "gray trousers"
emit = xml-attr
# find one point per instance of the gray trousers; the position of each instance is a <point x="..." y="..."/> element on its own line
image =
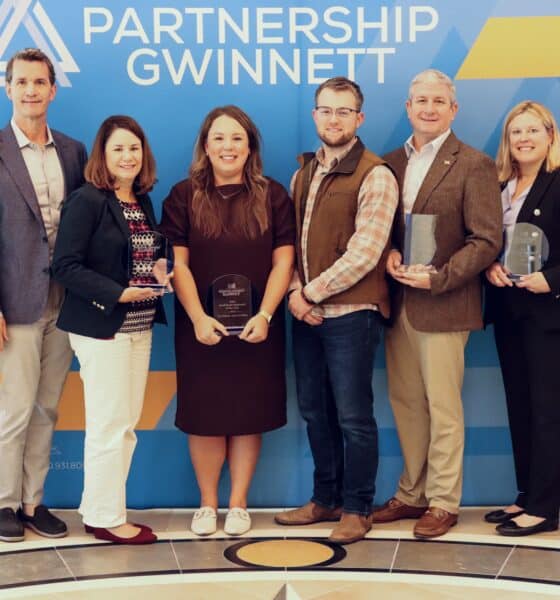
<point x="33" y="369"/>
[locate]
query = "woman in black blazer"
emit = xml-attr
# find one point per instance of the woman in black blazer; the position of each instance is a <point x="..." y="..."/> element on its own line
<point x="526" y="317"/>
<point x="109" y="315"/>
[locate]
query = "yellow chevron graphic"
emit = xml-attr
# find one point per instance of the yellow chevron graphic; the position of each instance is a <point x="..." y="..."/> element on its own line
<point x="160" y="390"/>
<point x="514" y="47"/>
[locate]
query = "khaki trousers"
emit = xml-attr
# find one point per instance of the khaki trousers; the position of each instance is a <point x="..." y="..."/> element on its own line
<point x="33" y="368"/>
<point x="425" y="375"/>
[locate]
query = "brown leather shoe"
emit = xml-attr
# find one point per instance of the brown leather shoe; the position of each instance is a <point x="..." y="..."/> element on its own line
<point x="307" y="514"/>
<point x="434" y="522"/>
<point x="394" y="509"/>
<point x="351" y="528"/>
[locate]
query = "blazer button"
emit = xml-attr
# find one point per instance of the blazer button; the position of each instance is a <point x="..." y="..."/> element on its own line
<point x="46" y="270"/>
<point x="45" y="239"/>
<point x="537" y="212"/>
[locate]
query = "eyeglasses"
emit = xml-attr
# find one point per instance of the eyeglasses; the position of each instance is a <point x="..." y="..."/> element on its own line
<point x="326" y="112"/>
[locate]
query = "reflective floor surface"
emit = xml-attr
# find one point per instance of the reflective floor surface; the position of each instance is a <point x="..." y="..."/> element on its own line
<point x="282" y="563"/>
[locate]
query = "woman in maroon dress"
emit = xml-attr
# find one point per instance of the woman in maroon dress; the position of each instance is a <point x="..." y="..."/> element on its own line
<point x="227" y="218"/>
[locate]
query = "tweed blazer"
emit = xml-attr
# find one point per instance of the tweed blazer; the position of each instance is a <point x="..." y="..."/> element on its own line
<point x="542" y="208"/>
<point x="462" y="189"/>
<point x="24" y="249"/>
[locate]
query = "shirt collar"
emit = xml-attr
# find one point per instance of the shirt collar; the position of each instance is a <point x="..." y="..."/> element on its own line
<point x="432" y="146"/>
<point x="23" y="141"/>
<point x="340" y="154"/>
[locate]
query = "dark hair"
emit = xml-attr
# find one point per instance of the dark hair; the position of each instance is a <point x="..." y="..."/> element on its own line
<point x="342" y="84"/>
<point x="254" y="217"/>
<point x="30" y="55"/>
<point x="96" y="171"/>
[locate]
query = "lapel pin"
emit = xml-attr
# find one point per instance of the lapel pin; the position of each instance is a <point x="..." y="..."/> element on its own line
<point x="446" y="162"/>
<point x="537" y="212"/>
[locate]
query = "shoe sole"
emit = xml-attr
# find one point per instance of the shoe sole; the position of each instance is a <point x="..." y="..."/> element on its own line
<point x="44" y="533"/>
<point x="14" y="538"/>
<point x="422" y="536"/>
<point x="517" y="534"/>
<point x="394" y="520"/>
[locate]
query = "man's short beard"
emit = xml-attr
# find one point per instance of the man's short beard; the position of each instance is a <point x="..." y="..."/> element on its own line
<point x="339" y="143"/>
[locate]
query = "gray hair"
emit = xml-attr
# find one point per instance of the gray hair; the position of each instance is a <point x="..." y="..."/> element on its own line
<point x="433" y="75"/>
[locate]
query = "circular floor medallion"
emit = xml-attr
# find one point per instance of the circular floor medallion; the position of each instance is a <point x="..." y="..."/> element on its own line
<point x="284" y="554"/>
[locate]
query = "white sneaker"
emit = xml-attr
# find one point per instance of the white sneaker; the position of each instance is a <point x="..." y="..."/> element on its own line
<point x="237" y="522"/>
<point x="204" y="521"/>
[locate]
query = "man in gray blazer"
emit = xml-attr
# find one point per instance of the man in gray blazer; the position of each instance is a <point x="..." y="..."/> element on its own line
<point x="39" y="167"/>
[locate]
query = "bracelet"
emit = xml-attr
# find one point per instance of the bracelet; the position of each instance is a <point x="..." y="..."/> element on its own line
<point x="266" y="315"/>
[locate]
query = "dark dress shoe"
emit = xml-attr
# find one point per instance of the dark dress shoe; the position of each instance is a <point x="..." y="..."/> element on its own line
<point x="144" y="536"/>
<point x="90" y="529"/>
<point x="513" y="529"/>
<point x="501" y="516"/>
<point x="44" y="522"/>
<point x="11" y="527"/>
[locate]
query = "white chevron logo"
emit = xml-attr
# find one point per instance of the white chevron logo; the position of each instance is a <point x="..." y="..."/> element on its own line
<point x="14" y="13"/>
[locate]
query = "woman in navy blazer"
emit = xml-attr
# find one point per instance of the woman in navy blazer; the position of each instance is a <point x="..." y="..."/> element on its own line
<point x="526" y="317"/>
<point x="109" y="316"/>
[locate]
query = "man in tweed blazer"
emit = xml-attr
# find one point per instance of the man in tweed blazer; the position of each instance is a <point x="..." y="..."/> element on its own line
<point x="434" y="311"/>
<point x="38" y="168"/>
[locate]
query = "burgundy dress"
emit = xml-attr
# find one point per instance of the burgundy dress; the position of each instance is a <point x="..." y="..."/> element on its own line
<point x="234" y="387"/>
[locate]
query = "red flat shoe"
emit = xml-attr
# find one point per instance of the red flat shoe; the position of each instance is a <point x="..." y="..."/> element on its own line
<point x="90" y="529"/>
<point x="144" y="536"/>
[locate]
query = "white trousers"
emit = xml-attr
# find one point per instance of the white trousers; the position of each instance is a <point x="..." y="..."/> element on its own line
<point x="33" y="368"/>
<point x="114" y="373"/>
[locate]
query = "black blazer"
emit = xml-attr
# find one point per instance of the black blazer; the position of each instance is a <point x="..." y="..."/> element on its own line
<point x="91" y="262"/>
<point x="542" y="208"/>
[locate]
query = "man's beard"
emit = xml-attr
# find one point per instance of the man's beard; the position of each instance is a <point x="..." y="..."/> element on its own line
<point x="341" y="141"/>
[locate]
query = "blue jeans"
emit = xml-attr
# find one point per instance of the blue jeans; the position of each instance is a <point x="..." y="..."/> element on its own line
<point x="334" y="367"/>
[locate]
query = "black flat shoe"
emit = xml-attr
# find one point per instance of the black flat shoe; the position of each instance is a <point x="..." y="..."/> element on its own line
<point x="512" y="528"/>
<point x="501" y="516"/>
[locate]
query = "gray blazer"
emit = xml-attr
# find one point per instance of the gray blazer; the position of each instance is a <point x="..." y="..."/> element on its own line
<point x="24" y="250"/>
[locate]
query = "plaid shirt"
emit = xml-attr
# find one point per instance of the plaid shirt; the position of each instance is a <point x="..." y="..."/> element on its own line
<point x="377" y="202"/>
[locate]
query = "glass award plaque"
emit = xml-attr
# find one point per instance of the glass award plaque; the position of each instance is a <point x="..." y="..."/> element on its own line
<point x="150" y="260"/>
<point x="419" y="242"/>
<point x="231" y="301"/>
<point x="526" y="250"/>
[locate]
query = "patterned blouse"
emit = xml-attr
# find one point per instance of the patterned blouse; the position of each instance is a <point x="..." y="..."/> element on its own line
<point x="140" y="315"/>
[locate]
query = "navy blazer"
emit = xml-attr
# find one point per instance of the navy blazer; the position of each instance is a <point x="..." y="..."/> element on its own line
<point x="542" y="208"/>
<point x="24" y="249"/>
<point x="91" y="262"/>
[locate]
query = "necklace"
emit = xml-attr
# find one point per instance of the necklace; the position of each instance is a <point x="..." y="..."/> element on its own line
<point x="230" y="195"/>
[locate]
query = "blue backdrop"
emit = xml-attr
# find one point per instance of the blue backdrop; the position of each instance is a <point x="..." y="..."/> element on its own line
<point x="168" y="63"/>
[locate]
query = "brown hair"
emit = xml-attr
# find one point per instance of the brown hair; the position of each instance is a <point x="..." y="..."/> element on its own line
<point x="342" y="84"/>
<point x="96" y="171"/>
<point x="507" y="167"/>
<point x="30" y="55"/>
<point x="253" y="217"/>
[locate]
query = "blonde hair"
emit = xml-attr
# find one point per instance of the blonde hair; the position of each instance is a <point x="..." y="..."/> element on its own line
<point x="507" y="167"/>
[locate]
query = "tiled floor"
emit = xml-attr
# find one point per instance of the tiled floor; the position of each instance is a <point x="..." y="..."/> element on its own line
<point x="469" y="562"/>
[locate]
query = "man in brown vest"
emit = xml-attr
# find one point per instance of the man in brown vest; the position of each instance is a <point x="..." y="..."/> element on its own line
<point x="345" y="200"/>
<point x="434" y="311"/>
